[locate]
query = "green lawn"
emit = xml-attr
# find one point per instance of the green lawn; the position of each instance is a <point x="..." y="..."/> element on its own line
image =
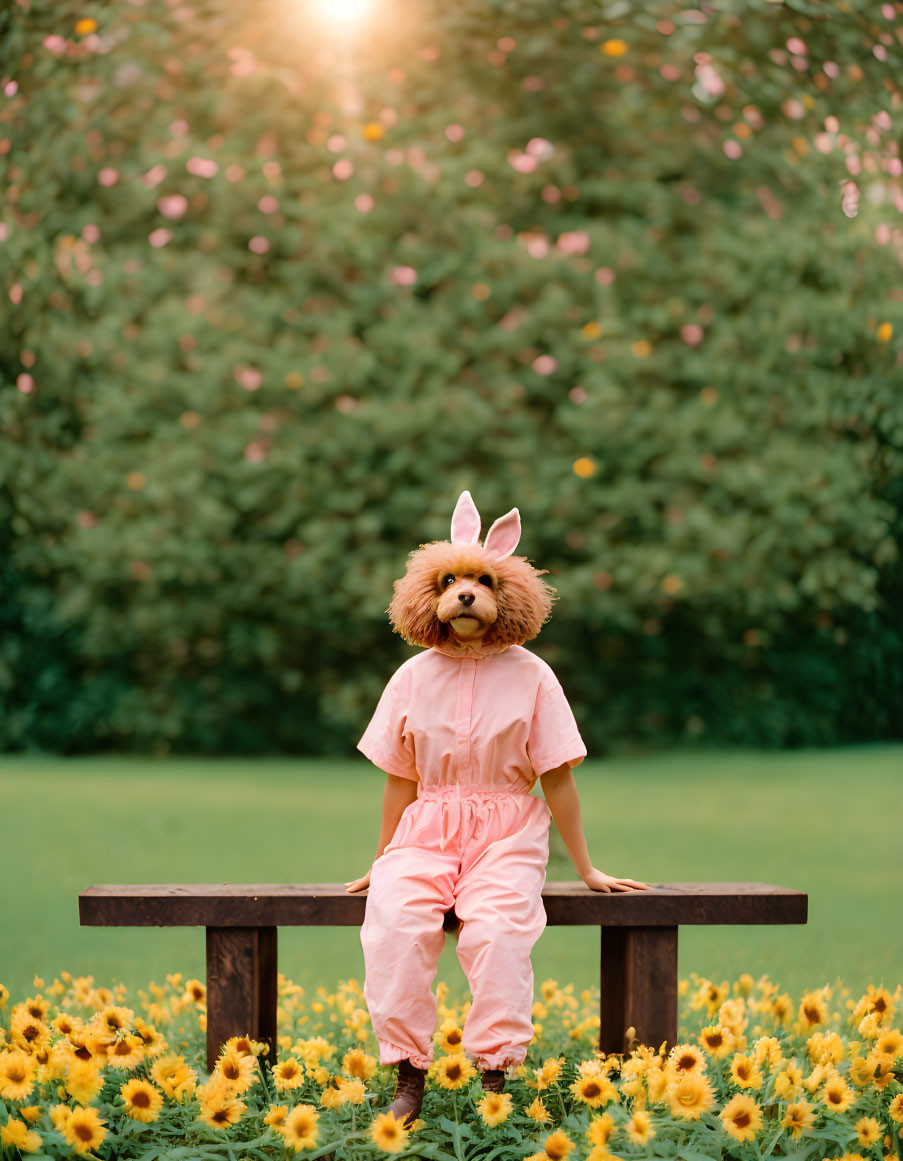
<point x="825" y="822"/>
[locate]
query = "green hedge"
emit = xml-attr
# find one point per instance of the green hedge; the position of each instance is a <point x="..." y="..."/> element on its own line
<point x="670" y="336"/>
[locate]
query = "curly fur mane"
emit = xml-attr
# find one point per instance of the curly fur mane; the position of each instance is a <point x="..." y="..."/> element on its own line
<point x="523" y="600"/>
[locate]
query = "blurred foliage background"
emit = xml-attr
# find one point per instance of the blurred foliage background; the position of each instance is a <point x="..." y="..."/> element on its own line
<point x="277" y="286"/>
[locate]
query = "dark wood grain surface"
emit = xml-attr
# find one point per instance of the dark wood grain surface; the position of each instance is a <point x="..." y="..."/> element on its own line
<point x="328" y="904"/>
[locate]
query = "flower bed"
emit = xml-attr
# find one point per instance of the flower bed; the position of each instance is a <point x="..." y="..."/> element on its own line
<point x="83" y="1072"/>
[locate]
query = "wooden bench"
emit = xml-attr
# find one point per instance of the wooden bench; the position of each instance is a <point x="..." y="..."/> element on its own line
<point x="638" y="933"/>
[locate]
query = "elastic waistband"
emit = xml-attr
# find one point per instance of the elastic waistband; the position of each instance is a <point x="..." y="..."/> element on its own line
<point x="469" y="790"/>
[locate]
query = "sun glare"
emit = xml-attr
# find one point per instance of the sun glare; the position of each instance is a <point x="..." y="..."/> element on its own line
<point x="344" y="13"/>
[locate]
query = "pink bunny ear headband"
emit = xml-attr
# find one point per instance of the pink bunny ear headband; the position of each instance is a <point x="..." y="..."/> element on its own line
<point x="501" y="539"/>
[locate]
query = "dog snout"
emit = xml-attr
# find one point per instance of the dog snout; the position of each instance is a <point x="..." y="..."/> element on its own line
<point x="466" y="599"/>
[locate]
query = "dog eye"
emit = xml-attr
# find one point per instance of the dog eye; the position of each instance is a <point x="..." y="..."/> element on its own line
<point x="448" y="579"/>
<point x="485" y="579"/>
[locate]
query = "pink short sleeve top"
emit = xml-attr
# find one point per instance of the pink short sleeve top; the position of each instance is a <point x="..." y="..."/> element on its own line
<point x="501" y="720"/>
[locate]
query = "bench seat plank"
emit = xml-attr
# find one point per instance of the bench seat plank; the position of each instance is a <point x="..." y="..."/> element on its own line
<point x="328" y="904"/>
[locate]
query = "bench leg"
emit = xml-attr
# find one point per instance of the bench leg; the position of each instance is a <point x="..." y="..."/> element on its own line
<point x="639" y="987"/>
<point x="241" y="987"/>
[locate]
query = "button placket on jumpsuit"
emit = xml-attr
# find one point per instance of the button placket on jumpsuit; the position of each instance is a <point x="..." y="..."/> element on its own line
<point x="482" y="848"/>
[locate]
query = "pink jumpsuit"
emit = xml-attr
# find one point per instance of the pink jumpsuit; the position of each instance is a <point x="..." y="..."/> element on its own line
<point x="475" y="732"/>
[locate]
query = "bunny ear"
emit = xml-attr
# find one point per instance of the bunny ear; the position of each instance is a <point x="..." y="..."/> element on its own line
<point x="501" y="539"/>
<point x="465" y="525"/>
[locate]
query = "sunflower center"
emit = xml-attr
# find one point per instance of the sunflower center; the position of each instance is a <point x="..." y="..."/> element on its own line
<point x="453" y="1072"/>
<point x="141" y="1100"/>
<point x="686" y="1062"/>
<point x="84" y="1133"/>
<point x="454" y="1037"/>
<point x="591" y="1090"/>
<point x="741" y="1120"/>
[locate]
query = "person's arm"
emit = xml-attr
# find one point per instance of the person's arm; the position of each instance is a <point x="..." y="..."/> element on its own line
<point x="560" y="792"/>
<point x="398" y="794"/>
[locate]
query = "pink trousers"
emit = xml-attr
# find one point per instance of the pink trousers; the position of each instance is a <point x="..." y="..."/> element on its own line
<point x="482" y="850"/>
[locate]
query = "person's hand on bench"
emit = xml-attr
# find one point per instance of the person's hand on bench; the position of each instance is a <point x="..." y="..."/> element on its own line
<point x="598" y="881"/>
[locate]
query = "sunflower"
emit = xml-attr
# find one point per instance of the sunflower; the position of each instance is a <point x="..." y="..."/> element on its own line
<point x="837" y="1095"/>
<point x="788" y="1080"/>
<point x="28" y="1032"/>
<point x="732" y="1014"/>
<point x="36" y="1006"/>
<point x="684" y="1058"/>
<point x="300" y="1128"/>
<point x="639" y="1127"/>
<point x="154" y="1043"/>
<point x="890" y="1043"/>
<point x="114" y="1019"/>
<point x="143" y="1100"/>
<point x="18" y="1135"/>
<point x="354" y="1090"/>
<point x="195" y="992"/>
<point x="239" y="1070"/>
<point x="388" y="1133"/>
<point x="314" y="1050"/>
<point x="449" y="1037"/>
<point x="452" y="1071"/>
<point x="219" y="1110"/>
<point x="895" y="1108"/>
<point x="767" y="1049"/>
<point x="657" y="1081"/>
<point x="594" y="1090"/>
<point x="548" y="1074"/>
<point x="83" y="1129"/>
<point x="548" y="989"/>
<point x="717" y="1040"/>
<point x="782" y="1008"/>
<point x="84" y="1079"/>
<point x="495" y="1108"/>
<point x="691" y="1096"/>
<point x="710" y="996"/>
<point x="64" y="1023"/>
<point x="16" y="1074"/>
<point x="331" y="1098"/>
<point x="358" y="1063"/>
<point x="558" y="1145"/>
<point x="812" y="1011"/>
<point x="600" y="1129"/>
<point x="288" y="1074"/>
<point x="538" y="1111"/>
<point x="744" y="1072"/>
<point x="174" y="1077"/>
<point x="877" y="1000"/>
<point x="741" y="1117"/>
<point x="799" y="1117"/>
<point x="275" y="1116"/>
<point x="868" y="1131"/>
<point x="127" y="1052"/>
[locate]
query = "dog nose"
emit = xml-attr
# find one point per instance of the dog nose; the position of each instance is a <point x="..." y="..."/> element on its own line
<point x="465" y="598"/>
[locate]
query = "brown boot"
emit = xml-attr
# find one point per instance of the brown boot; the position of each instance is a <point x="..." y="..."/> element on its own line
<point x="408" y="1093"/>
<point x="494" y="1080"/>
